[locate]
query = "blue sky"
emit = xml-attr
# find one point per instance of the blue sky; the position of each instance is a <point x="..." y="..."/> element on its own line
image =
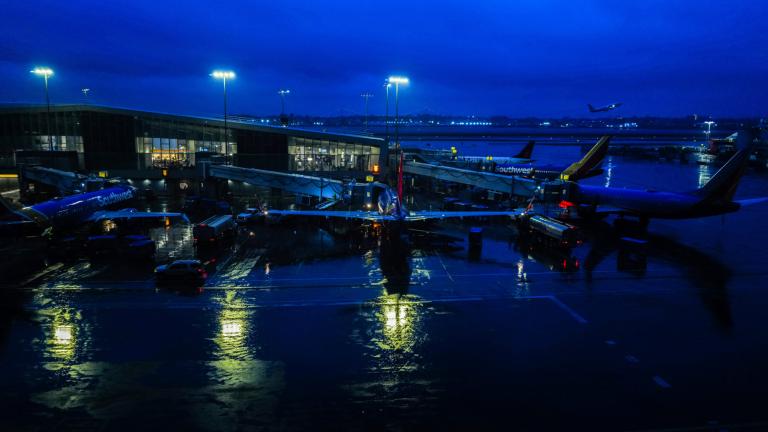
<point x="517" y="58"/>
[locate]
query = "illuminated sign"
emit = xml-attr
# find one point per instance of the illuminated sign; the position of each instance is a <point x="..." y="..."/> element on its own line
<point x="103" y="174"/>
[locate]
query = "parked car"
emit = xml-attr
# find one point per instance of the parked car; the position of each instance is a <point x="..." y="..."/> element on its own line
<point x="181" y="271"/>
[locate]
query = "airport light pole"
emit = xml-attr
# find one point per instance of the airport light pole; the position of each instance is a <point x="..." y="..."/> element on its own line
<point x="386" y="112"/>
<point x="283" y="117"/>
<point x="46" y="72"/>
<point x="709" y="124"/>
<point x="224" y="76"/>
<point x="397" y="80"/>
<point x="282" y="94"/>
<point x="366" y="96"/>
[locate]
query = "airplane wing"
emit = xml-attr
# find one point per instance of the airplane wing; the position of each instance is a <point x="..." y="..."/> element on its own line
<point x="747" y="202"/>
<point x="133" y="214"/>
<point x="340" y="214"/>
<point x="427" y="215"/>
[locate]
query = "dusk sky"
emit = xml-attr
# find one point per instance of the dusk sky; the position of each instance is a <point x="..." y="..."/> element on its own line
<point x="516" y="58"/>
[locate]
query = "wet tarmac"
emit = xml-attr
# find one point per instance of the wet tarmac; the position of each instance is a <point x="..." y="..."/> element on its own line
<point x="305" y="327"/>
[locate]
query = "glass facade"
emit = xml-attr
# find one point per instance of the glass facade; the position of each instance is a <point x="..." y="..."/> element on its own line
<point x="311" y="154"/>
<point x="107" y="138"/>
<point x="177" y="152"/>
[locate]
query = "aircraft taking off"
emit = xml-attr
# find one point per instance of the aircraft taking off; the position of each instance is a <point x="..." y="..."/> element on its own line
<point x="77" y="210"/>
<point x="606" y="108"/>
<point x="589" y="166"/>
<point x="714" y="198"/>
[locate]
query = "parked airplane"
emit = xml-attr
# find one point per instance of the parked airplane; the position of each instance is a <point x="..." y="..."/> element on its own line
<point x="589" y="166"/>
<point x="389" y="208"/>
<point x="606" y="108"/>
<point x="76" y="210"/>
<point x="522" y="157"/>
<point x="714" y="198"/>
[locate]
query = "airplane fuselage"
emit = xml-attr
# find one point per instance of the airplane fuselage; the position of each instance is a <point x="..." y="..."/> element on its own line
<point x="649" y="203"/>
<point x="76" y="209"/>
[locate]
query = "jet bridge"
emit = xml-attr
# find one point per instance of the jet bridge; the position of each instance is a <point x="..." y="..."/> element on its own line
<point x="290" y="182"/>
<point x="512" y="185"/>
<point x="66" y="182"/>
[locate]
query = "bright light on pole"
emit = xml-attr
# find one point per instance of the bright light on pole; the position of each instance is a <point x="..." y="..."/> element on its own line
<point x="709" y="124"/>
<point x="366" y="96"/>
<point x="397" y="80"/>
<point x="46" y="73"/>
<point x="224" y="75"/>
<point x="282" y="94"/>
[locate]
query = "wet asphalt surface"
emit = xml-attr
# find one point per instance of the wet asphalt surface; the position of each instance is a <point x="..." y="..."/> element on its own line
<point x="301" y="326"/>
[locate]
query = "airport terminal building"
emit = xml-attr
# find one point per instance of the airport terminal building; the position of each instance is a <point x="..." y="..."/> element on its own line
<point x="127" y="141"/>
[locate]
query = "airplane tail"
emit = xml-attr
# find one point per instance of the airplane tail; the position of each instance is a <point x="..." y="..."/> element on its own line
<point x="527" y="151"/>
<point x="591" y="108"/>
<point x="591" y="161"/>
<point x="722" y="186"/>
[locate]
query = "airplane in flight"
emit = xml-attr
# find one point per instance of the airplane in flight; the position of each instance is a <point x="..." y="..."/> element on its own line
<point x="589" y="166"/>
<point x="389" y="209"/>
<point x="714" y="198"/>
<point x="73" y="211"/>
<point x="606" y="108"/>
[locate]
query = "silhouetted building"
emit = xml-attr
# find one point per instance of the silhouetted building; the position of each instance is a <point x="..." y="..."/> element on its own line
<point x="105" y="138"/>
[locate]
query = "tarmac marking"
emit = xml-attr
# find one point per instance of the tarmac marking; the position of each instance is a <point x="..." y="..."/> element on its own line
<point x="444" y="267"/>
<point x="631" y="359"/>
<point x="661" y="382"/>
<point x="575" y="315"/>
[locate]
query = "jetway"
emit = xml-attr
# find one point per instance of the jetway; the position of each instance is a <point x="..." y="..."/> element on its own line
<point x="66" y="182"/>
<point x="289" y="182"/>
<point x="513" y="185"/>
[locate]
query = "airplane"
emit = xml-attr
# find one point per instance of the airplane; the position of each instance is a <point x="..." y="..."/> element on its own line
<point x="389" y="210"/>
<point x="606" y="108"/>
<point x="77" y="210"/>
<point x="714" y="198"/>
<point x="523" y="156"/>
<point x="589" y="166"/>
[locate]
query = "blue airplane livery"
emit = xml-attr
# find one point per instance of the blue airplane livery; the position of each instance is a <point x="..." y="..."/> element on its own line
<point x="80" y="209"/>
<point x="589" y="166"/>
<point x="714" y="198"/>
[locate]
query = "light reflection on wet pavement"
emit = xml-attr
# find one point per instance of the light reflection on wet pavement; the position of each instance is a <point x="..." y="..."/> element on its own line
<point x="301" y="327"/>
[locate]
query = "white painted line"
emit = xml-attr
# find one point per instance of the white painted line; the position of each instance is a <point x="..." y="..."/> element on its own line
<point x="610" y="342"/>
<point x="661" y="382"/>
<point x="444" y="267"/>
<point x="632" y="359"/>
<point x="575" y="315"/>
